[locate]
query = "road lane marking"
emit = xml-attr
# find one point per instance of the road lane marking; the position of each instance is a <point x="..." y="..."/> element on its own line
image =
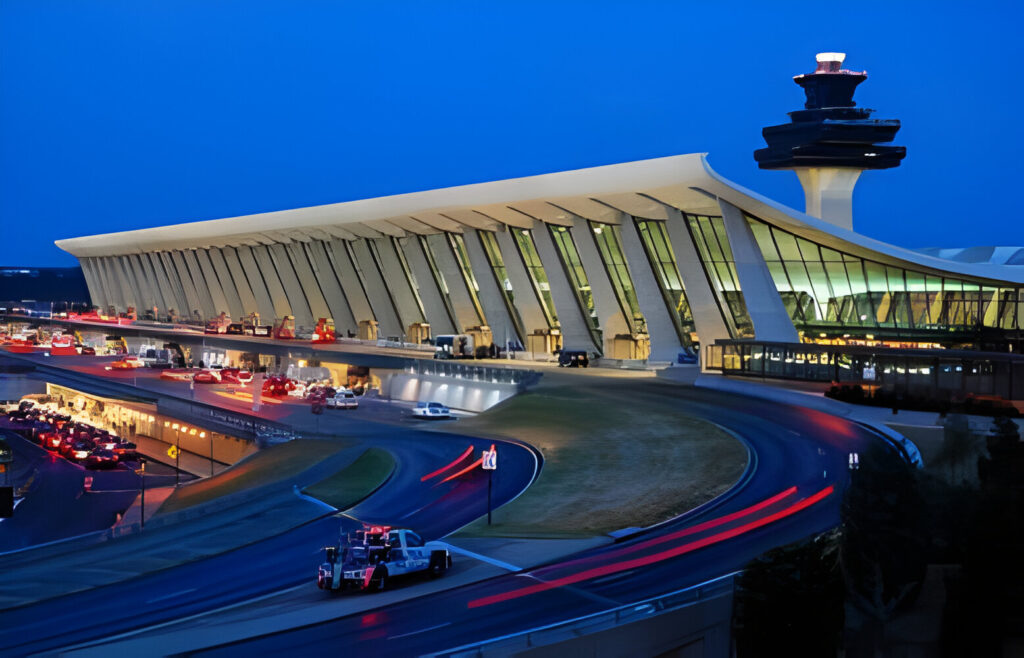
<point x="171" y="596"/>
<point x="483" y="558"/>
<point x="422" y="630"/>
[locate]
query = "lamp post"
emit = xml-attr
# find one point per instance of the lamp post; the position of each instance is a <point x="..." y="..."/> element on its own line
<point x="142" y="481"/>
<point x="202" y="435"/>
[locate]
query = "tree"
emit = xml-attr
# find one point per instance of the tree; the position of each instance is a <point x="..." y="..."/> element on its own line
<point x="789" y="602"/>
<point x="883" y="552"/>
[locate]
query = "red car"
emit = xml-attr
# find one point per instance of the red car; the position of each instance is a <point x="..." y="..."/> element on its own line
<point x="126" y="363"/>
<point x="278" y="385"/>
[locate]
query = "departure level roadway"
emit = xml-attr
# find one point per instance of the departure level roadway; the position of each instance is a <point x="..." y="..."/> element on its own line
<point x="795" y="492"/>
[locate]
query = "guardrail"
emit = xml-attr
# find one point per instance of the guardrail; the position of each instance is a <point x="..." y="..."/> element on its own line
<point x="460" y="370"/>
<point x="575" y="628"/>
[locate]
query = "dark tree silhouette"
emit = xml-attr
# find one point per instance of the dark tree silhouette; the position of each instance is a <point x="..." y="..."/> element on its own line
<point x="789" y="602"/>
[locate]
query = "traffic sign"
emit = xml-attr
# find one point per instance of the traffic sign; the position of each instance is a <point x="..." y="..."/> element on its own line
<point x="172" y="452"/>
<point x="490" y="459"/>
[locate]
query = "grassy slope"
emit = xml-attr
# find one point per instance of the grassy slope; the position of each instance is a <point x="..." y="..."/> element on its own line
<point x="275" y="464"/>
<point x="356" y="481"/>
<point x="614" y="458"/>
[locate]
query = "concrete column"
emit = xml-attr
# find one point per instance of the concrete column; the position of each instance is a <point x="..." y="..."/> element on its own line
<point x="218" y="296"/>
<point x="398" y="284"/>
<point x="430" y="293"/>
<point x="458" y="292"/>
<point x="130" y="287"/>
<point x="661" y="328"/>
<point x="162" y="289"/>
<point x="324" y="272"/>
<point x="272" y="279"/>
<point x="117" y="295"/>
<point x="293" y="289"/>
<point x="575" y="325"/>
<point x="308" y="281"/>
<point x="165" y="271"/>
<point x="492" y="297"/>
<point x="97" y="292"/>
<point x="768" y="314"/>
<point x="609" y="311"/>
<point x="243" y="267"/>
<point x="526" y="300"/>
<point x="150" y="296"/>
<point x="209" y="307"/>
<point x="828" y="193"/>
<point x="232" y="297"/>
<point x="349" y="280"/>
<point x="377" y="290"/>
<point x="707" y="316"/>
<point x="187" y="285"/>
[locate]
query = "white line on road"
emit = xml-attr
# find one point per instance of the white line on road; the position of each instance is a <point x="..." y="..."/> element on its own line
<point x="483" y="558"/>
<point x="422" y="630"/>
<point x="171" y="596"/>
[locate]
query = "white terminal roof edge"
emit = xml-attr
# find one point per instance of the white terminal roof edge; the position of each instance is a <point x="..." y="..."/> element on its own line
<point x="642" y="188"/>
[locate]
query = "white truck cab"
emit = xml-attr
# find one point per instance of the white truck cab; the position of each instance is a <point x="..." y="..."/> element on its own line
<point x="378" y="554"/>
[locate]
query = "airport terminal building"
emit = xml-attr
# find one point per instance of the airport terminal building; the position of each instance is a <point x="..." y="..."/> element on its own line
<point x="640" y="260"/>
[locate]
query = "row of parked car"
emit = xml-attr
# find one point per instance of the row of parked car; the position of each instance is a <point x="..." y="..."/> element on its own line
<point x="78" y="442"/>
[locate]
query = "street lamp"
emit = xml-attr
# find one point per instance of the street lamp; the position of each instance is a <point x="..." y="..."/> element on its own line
<point x="202" y="435"/>
<point x="142" y="482"/>
<point x="177" y="450"/>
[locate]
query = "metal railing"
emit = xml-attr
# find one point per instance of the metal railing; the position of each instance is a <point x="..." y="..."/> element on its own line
<point x="580" y="626"/>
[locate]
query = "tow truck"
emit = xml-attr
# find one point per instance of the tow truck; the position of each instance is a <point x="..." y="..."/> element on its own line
<point x="369" y="558"/>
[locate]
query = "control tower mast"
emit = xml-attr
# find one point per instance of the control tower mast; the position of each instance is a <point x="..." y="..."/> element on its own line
<point x="830" y="141"/>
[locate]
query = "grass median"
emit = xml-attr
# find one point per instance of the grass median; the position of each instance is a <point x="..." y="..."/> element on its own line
<point x="356" y="481"/>
<point x="614" y="457"/>
<point x="278" y="464"/>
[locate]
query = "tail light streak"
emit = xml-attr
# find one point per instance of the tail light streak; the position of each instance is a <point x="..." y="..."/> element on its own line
<point x="469" y="451"/>
<point x="657" y="557"/>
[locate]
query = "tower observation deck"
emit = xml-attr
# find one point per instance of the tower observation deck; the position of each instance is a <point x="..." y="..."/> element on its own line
<point x="831" y="140"/>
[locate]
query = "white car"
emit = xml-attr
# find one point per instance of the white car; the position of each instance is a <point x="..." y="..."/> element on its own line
<point x="343" y="399"/>
<point x="431" y="410"/>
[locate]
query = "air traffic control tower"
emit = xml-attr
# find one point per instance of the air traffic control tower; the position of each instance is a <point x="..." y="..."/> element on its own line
<point x="830" y="141"/>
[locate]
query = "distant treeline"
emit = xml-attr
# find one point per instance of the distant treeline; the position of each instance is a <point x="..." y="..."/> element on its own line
<point x="43" y="284"/>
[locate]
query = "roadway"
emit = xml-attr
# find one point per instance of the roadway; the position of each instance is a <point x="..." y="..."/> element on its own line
<point x="794" y="491"/>
<point x="433" y="506"/>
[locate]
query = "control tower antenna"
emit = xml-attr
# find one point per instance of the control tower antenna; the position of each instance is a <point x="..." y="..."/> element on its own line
<point x="830" y="141"/>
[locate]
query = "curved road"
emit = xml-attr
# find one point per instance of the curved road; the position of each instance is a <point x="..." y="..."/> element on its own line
<point x="794" y="492"/>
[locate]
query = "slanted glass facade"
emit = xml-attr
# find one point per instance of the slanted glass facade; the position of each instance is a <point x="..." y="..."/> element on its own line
<point x="824" y="289"/>
<point x="409" y="276"/>
<point x="493" y="252"/>
<point x="534" y="267"/>
<point x="609" y="244"/>
<point x="573" y="265"/>
<point x="442" y="285"/>
<point x="712" y="244"/>
<point x="654" y="235"/>
<point x="462" y="258"/>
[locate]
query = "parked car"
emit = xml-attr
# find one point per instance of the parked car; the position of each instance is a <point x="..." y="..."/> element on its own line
<point x="343" y="399"/>
<point x="573" y="359"/>
<point x="101" y="458"/>
<point x="434" y="410"/>
<point x="126" y="363"/>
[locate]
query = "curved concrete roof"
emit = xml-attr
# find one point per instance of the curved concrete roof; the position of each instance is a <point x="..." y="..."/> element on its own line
<point x="639" y="188"/>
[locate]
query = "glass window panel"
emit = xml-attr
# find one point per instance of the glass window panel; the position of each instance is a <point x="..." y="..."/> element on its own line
<point x="462" y="257"/>
<point x="808" y="250"/>
<point x="539" y="278"/>
<point x="497" y="263"/>
<point x="658" y="246"/>
<point x="787" y="245"/>
<point x="763" y="236"/>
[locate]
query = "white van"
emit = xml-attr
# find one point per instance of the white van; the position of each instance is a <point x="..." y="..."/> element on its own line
<point x="343" y="399"/>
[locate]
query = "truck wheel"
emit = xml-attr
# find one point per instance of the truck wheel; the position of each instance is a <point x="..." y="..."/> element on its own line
<point x="377" y="583"/>
<point x="439" y="563"/>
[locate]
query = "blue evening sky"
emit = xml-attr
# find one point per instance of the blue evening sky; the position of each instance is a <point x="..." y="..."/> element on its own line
<point x="118" y="115"/>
